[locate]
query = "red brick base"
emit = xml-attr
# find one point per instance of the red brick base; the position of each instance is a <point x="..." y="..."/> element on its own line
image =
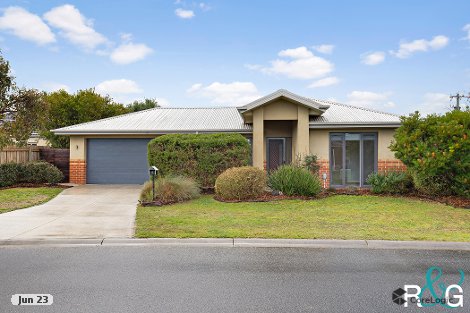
<point x="324" y="169"/>
<point x="78" y="172"/>
<point x="393" y="165"/>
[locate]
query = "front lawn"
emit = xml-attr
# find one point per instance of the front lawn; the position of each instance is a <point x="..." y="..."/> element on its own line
<point x="336" y="217"/>
<point x="19" y="198"/>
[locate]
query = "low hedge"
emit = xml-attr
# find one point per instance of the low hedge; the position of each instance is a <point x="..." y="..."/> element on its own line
<point x="390" y="183"/>
<point x="294" y="180"/>
<point x="202" y="157"/>
<point x="240" y="183"/>
<point x="33" y="172"/>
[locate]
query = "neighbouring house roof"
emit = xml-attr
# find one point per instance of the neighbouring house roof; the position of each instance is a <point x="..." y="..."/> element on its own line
<point x="343" y="116"/>
<point x="164" y="120"/>
<point x="282" y="93"/>
<point x="191" y="120"/>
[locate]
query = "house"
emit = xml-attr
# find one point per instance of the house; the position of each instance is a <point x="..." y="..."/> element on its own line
<point x="350" y="142"/>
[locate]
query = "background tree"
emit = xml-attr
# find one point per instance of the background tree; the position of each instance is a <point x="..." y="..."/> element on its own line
<point x="143" y="105"/>
<point x="21" y="110"/>
<point x="66" y="109"/>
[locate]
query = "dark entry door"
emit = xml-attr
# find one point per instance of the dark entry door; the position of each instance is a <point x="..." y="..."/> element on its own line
<point x="276" y="153"/>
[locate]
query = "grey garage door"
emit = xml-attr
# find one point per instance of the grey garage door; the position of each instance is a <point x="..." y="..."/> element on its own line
<point x="117" y="161"/>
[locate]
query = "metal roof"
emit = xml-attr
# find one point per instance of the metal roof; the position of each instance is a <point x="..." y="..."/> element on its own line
<point x="310" y="103"/>
<point x="190" y="120"/>
<point x="343" y="115"/>
<point x="164" y="120"/>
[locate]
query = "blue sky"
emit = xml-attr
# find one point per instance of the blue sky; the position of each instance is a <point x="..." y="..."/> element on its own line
<point x="396" y="56"/>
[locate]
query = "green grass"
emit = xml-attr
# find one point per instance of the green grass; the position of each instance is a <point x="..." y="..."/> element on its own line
<point x="336" y="217"/>
<point x="19" y="198"/>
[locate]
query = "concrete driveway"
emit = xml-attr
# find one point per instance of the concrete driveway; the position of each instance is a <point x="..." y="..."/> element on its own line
<point x="88" y="211"/>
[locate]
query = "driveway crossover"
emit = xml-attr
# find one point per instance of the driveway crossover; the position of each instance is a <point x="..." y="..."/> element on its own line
<point x="88" y="211"/>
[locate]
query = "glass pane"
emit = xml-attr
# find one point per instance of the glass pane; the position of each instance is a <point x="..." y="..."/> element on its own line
<point x="353" y="156"/>
<point x="368" y="158"/>
<point x="336" y="161"/>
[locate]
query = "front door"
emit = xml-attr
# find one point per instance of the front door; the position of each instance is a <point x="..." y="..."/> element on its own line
<point x="276" y="153"/>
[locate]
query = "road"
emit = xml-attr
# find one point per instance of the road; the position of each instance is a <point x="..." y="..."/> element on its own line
<point x="220" y="279"/>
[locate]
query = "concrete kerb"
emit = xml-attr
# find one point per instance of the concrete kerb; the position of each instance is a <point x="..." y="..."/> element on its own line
<point x="241" y="242"/>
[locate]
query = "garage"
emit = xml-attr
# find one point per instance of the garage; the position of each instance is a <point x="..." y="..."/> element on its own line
<point x="117" y="160"/>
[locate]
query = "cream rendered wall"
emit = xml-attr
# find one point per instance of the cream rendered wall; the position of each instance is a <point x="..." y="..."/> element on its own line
<point x="320" y="141"/>
<point x="280" y="110"/>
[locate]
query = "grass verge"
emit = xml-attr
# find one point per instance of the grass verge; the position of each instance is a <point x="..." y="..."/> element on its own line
<point x="19" y="198"/>
<point x="336" y="217"/>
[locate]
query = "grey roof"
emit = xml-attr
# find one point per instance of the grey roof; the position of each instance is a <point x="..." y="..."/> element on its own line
<point x="164" y="120"/>
<point x="310" y="103"/>
<point x="190" y="120"/>
<point x="343" y="115"/>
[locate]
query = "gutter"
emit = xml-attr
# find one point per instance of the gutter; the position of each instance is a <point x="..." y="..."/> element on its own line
<point x="148" y="132"/>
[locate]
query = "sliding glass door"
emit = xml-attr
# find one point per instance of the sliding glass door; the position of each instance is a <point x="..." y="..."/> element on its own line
<point x="353" y="156"/>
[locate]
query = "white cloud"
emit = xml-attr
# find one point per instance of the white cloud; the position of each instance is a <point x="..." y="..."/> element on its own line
<point x="74" y="26"/>
<point x="326" y="49"/>
<point x="373" y="58"/>
<point x="466" y="28"/>
<point x="118" y="86"/>
<point x="26" y="25"/>
<point x="163" y="102"/>
<point x="129" y="52"/>
<point x="53" y="86"/>
<point x="204" y="6"/>
<point x="232" y="94"/>
<point x="324" y="82"/>
<point x="407" y="49"/>
<point x="184" y="14"/>
<point x="369" y="99"/>
<point x="434" y="103"/>
<point x="299" y="63"/>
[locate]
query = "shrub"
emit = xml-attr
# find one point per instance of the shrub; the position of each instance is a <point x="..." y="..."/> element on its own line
<point x="40" y="172"/>
<point x="9" y="174"/>
<point x="200" y="156"/>
<point x="241" y="183"/>
<point x="311" y="163"/>
<point x="431" y="185"/>
<point x="171" y="189"/>
<point x="146" y="193"/>
<point x="294" y="180"/>
<point x="437" y="150"/>
<point x="34" y="172"/>
<point x="391" y="182"/>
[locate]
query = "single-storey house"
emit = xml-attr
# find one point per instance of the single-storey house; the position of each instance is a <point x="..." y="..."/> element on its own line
<point x="350" y="142"/>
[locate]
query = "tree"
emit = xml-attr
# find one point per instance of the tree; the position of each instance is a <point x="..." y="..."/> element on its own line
<point x="66" y="109"/>
<point x="143" y="105"/>
<point x="21" y="110"/>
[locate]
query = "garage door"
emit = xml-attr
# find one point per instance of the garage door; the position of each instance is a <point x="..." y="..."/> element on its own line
<point x="117" y="161"/>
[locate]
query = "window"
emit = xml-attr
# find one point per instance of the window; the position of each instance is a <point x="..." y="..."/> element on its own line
<point x="353" y="156"/>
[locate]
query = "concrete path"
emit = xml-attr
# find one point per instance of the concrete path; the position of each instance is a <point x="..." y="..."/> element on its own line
<point x="88" y="211"/>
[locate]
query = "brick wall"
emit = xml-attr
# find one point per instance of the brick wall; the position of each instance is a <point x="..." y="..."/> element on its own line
<point x="392" y="165"/>
<point x="78" y="172"/>
<point x="324" y="168"/>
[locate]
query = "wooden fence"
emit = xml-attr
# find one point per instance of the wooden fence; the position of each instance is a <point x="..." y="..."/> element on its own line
<point x="19" y="155"/>
<point x="58" y="157"/>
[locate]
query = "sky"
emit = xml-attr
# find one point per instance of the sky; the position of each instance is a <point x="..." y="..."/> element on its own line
<point x="395" y="56"/>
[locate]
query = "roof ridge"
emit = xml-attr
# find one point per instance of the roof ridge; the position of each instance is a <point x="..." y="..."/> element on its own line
<point x="355" y="107"/>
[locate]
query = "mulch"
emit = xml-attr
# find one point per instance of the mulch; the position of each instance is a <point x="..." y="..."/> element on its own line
<point x="455" y="201"/>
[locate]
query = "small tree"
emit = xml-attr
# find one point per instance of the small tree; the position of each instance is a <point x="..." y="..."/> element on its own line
<point x="436" y="149"/>
<point x="142" y="105"/>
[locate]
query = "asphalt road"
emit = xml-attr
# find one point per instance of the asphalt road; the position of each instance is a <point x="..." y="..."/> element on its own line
<point x="220" y="279"/>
